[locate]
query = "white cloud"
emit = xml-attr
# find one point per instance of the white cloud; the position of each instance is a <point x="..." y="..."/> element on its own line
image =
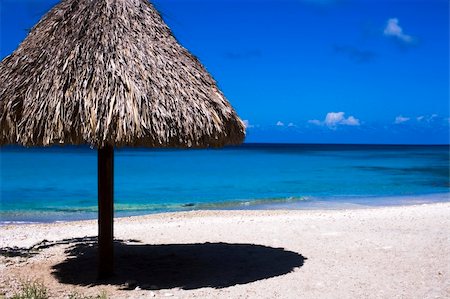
<point x="333" y="119"/>
<point x="338" y="118"/>
<point x="393" y="29"/>
<point x="427" y="118"/>
<point x="247" y="124"/>
<point x="401" y="119"/>
<point x="291" y="125"/>
<point x="350" y="121"/>
<point x="280" y="124"/>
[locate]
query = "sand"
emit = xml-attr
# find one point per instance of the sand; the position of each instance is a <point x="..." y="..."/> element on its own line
<point x="388" y="252"/>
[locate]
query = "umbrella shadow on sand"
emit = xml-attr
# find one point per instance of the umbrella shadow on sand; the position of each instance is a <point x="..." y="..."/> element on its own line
<point x="186" y="266"/>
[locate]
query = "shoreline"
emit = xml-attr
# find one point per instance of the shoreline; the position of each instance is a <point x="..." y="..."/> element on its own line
<point x="306" y="203"/>
<point x="173" y="215"/>
<point x="373" y="252"/>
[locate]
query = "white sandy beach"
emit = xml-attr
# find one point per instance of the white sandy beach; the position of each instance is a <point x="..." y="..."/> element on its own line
<point x="390" y="252"/>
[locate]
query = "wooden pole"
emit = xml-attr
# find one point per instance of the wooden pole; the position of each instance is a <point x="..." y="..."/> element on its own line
<point x="105" y="211"/>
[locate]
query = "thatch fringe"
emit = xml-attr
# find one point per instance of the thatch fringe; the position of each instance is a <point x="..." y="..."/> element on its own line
<point x="110" y="72"/>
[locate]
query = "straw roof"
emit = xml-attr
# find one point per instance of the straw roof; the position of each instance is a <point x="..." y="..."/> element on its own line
<point x="110" y="72"/>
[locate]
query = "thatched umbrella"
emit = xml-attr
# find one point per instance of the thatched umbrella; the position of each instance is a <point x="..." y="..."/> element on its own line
<point x="110" y="73"/>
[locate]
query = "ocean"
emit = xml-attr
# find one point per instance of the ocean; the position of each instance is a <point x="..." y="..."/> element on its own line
<point x="60" y="183"/>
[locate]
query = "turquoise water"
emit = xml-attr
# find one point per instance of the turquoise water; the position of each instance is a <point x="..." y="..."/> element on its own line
<point x="60" y="183"/>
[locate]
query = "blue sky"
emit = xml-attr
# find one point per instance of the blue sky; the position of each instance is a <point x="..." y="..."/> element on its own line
<point x="310" y="71"/>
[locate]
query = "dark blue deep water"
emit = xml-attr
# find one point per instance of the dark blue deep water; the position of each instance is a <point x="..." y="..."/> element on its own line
<point x="60" y="183"/>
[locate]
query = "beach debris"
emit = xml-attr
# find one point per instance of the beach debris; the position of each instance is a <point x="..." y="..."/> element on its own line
<point x="130" y="284"/>
<point x="27" y="252"/>
<point x="17" y="252"/>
